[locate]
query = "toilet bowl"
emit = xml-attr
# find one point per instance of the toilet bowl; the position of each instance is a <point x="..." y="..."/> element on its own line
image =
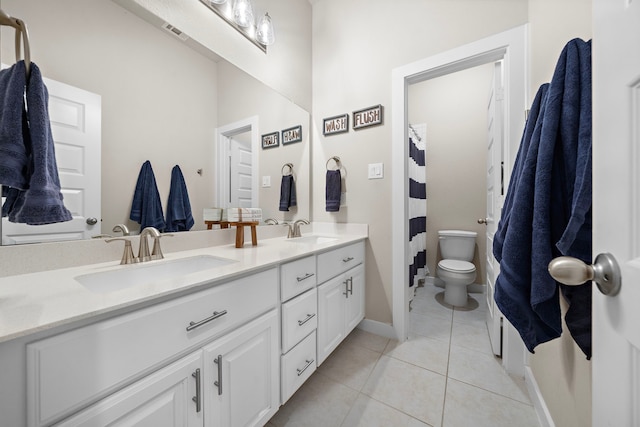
<point x="455" y="269"/>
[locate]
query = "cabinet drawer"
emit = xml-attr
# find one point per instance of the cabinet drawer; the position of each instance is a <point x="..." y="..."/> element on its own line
<point x="299" y="318"/>
<point x="70" y="370"/>
<point x="297" y="276"/>
<point x="337" y="261"/>
<point x="297" y="366"/>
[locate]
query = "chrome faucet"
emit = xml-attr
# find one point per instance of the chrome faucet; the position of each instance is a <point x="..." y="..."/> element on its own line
<point x="127" y="255"/>
<point x="121" y="228"/>
<point x="296" y="227"/>
<point x="143" y="250"/>
<point x="290" y="232"/>
<point x="271" y="221"/>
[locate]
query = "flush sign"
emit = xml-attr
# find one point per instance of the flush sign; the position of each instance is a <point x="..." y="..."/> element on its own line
<point x="368" y="117"/>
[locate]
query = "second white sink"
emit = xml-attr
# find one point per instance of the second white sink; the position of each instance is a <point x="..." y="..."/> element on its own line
<point x="312" y="240"/>
<point x="138" y="274"/>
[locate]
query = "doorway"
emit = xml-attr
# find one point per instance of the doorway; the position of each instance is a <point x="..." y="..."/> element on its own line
<point x="508" y="47"/>
<point x="237" y="153"/>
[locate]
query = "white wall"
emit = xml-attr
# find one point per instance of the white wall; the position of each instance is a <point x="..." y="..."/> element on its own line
<point x="454" y="108"/>
<point x="356" y="44"/>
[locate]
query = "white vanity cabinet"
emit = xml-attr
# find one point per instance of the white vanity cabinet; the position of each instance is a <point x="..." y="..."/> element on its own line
<point x="71" y="370"/>
<point x="340" y="298"/>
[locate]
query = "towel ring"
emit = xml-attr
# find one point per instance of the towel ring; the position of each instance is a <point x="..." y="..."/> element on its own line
<point x="335" y="159"/>
<point x="290" y="166"/>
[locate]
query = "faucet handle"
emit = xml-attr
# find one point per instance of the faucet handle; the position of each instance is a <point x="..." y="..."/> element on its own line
<point x="290" y="233"/>
<point x="127" y="255"/>
<point x="156" y="252"/>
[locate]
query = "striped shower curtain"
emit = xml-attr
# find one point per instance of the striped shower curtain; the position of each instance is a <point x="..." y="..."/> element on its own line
<point x="417" y="204"/>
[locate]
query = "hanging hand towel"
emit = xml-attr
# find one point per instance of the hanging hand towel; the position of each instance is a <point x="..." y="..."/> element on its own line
<point x="179" y="217"/>
<point x="42" y="202"/>
<point x="146" y="208"/>
<point x="333" y="190"/>
<point x="287" y="193"/>
<point x="13" y="152"/>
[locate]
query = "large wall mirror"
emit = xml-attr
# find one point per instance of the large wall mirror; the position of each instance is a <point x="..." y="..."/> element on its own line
<point x="161" y="101"/>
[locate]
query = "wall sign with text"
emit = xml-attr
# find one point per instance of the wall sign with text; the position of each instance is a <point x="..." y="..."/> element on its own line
<point x="336" y="124"/>
<point x="271" y="140"/>
<point x="368" y="117"/>
<point x="292" y="135"/>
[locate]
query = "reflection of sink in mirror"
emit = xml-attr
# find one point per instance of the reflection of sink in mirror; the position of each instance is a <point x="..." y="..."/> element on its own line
<point x="140" y="274"/>
<point x="312" y="240"/>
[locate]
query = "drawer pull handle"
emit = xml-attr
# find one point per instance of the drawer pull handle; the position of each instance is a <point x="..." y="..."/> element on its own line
<point x="305" y="277"/>
<point x="216" y="314"/>
<point x="301" y="371"/>
<point x="196" y="398"/>
<point x="309" y="317"/>
<point x="218" y="361"/>
<point x="347" y="259"/>
<point x="350" y="285"/>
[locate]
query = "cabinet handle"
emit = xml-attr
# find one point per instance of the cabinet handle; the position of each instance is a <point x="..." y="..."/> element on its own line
<point x="347" y="259"/>
<point x="216" y="314"/>
<point x="196" y="398"/>
<point x="301" y="371"/>
<point x="346" y="288"/>
<point x="218" y="361"/>
<point x="309" y="317"/>
<point x="350" y="285"/>
<point x="306" y="276"/>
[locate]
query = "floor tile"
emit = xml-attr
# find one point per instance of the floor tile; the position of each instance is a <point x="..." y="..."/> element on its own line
<point x="350" y="365"/>
<point x="485" y="371"/>
<point x="430" y="326"/>
<point x="320" y="402"/>
<point x="368" y="412"/>
<point x="470" y="406"/>
<point x="415" y="391"/>
<point x="471" y="336"/>
<point x="421" y="351"/>
<point x="368" y="340"/>
<point x="430" y="306"/>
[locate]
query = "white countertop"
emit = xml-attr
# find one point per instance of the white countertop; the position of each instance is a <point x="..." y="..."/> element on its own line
<point x="35" y="302"/>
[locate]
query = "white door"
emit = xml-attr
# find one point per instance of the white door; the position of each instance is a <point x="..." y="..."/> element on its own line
<point x="616" y="210"/>
<point x="241" y="170"/>
<point x="75" y="117"/>
<point x="495" y="191"/>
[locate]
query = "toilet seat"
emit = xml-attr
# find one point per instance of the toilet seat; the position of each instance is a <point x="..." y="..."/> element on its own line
<point x="456" y="266"/>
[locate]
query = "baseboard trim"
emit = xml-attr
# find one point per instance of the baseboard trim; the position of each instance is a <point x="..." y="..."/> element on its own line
<point x="544" y="416"/>
<point x="378" y="328"/>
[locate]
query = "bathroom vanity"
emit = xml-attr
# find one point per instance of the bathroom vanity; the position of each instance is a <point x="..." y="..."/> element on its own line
<point x="219" y="346"/>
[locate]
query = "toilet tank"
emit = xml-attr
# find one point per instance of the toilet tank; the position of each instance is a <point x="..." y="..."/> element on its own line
<point x="457" y="244"/>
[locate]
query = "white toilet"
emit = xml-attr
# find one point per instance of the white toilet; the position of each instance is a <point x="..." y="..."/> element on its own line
<point x="457" y="248"/>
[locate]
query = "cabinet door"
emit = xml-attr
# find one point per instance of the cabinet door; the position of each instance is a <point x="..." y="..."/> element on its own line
<point x="331" y="316"/>
<point x="166" y="398"/>
<point x="242" y="375"/>
<point x="355" y="297"/>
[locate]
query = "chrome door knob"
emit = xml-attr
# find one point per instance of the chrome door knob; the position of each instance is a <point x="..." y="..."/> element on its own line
<point x="483" y="221"/>
<point x="92" y="221"/>
<point x="604" y="271"/>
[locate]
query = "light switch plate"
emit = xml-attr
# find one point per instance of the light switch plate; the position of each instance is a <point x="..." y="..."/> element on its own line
<point x="376" y="170"/>
<point x="266" y="181"/>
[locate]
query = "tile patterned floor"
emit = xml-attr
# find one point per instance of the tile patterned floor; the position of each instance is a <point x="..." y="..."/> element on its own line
<point x="445" y="375"/>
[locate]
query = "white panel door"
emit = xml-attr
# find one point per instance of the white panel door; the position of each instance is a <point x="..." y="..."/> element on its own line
<point x="241" y="167"/>
<point x="495" y="130"/>
<point x="616" y="210"/>
<point x="331" y="316"/>
<point x="75" y="117"/>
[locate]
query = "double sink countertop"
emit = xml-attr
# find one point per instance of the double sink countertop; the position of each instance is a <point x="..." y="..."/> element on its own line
<point x="36" y="302"/>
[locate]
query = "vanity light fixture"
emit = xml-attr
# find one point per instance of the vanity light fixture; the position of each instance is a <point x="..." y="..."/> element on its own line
<point x="239" y="14"/>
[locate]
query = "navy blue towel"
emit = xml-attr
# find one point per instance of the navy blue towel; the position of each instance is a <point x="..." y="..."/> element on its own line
<point x="146" y="208"/>
<point x="13" y="152"/>
<point x="179" y="217"/>
<point x="41" y="203"/>
<point x="332" y="190"/>
<point x="287" y="193"/>
<point x="547" y="211"/>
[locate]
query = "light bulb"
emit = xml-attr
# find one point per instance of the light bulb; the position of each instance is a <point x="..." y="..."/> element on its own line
<point x="243" y="13"/>
<point x="265" y="33"/>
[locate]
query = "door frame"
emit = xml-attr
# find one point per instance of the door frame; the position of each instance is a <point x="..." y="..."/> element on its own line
<point x="510" y="46"/>
<point x="223" y="136"/>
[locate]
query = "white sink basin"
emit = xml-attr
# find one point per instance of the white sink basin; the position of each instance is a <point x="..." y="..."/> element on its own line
<point x="127" y="276"/>
<point x="312" y="240"/>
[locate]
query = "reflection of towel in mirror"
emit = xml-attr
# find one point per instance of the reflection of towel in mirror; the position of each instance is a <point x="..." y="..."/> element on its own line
<point x="41" y="203"/>
<point x="146" y="208"/>
<point x="287" y="193"/>
<point x="13" y="153"/>
<point x="332" y="190"/>
<point x="179" y="217"/>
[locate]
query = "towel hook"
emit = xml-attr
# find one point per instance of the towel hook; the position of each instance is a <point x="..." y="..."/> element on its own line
<point x="290" y="166"/>
<point x="22" y="35"/>
<point x="335" y="159"/>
